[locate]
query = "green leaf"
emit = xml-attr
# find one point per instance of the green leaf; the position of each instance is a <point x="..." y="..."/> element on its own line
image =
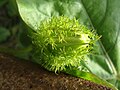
<point x="34" y="11"/>
<point x="4" y="34"/>
<point x="89" y="76"/>
<point x="12" y="8"/>
<point x="2" y="2"/>
<point x="101" y="15"/>
<point x="104" y="17"/>
<point x="20" y="53"/>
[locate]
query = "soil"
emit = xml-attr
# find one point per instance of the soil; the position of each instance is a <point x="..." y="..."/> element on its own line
<point x="16" y="74"/>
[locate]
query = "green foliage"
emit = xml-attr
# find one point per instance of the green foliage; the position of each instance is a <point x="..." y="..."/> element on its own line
<point x="89" y="76"/>
<point x="2" y="2"/>
<point x="100" y="15"/>
<point x="4" y="34"/>
<point x="12" y="8"/>
<point x="32" y="10"/>
<point x="104" y="17"/>
<point x="91" y="13"/>
<point x="14" y="38"/>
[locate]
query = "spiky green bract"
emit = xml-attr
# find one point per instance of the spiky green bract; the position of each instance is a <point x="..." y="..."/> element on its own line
<point x="62" y="42"/>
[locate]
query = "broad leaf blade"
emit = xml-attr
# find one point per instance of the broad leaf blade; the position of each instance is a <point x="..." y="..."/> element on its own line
<point x="34" y="11"/>
<point x="104" y="16"/>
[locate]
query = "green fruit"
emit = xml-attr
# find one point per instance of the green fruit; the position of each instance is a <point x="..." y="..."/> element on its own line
<point x="62" y="42"/>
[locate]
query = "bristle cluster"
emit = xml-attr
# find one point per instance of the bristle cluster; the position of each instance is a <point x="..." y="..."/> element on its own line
<point x="62" y="42"/>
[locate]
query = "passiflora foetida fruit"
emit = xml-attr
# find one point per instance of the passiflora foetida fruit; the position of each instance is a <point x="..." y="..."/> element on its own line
<point x="61" y="42"/>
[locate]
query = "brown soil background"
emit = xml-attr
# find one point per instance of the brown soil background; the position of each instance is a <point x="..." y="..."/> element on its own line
<point x="16" y="74"/>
